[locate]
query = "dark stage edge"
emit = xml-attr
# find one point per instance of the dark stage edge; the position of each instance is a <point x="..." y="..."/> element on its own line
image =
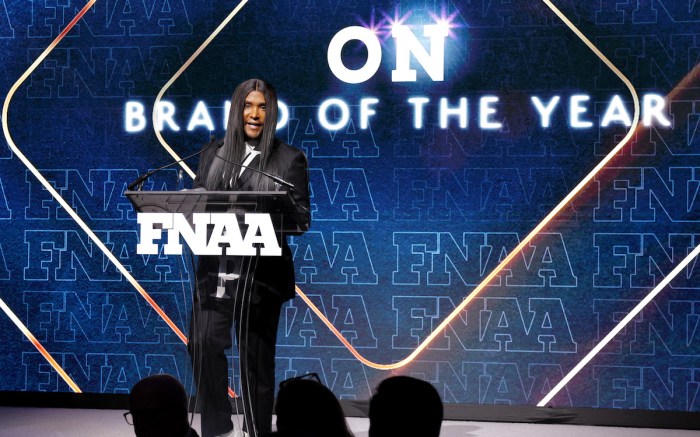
<point x="460" y="412"/>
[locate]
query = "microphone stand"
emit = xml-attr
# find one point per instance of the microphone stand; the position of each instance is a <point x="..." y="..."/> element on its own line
<point x="138" y="183"/>
<point x="275" y="178"/>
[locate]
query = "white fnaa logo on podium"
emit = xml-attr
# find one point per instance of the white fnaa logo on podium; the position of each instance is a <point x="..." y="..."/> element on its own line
<point x="225" y="239"/>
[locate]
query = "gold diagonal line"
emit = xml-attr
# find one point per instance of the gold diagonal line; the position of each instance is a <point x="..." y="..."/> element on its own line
<point x="56" y="195"/>
<point x="27" y="333"/>
<point x="525" y="242"/>
<point x="172" y="80"/>
<point x="179" y="72"/>
<point x="21" y="156"/>
<point x="633" y="128"/>
<point x="689" y="78"/>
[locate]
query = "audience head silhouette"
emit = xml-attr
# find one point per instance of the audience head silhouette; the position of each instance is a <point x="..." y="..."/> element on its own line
<point x="404" y="406"/>
<point x="307" y="408"/>
<point x="158" y="407"/>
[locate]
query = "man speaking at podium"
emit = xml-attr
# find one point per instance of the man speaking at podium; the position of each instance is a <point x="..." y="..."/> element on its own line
<point x="249" y="158"/>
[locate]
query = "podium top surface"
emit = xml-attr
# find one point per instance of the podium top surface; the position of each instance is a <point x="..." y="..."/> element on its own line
<point x="200" y="201"/>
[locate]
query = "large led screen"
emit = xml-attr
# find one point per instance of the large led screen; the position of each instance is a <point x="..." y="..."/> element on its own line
<point x="504" y="193"/>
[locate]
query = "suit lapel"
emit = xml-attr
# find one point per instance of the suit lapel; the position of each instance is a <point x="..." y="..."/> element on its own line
<point x="244" y="181"/>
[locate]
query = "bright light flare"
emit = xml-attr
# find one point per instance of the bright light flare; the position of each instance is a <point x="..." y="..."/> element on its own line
<point x="397" y="19"/>
<point x="446" y="21"/>
<point x="379" y="27"/>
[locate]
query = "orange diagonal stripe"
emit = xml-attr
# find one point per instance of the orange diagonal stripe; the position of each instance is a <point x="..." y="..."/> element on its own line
<point x="5" y="129"/>
<point x="51" y="189"/>
<point x="39" y="347"/>
<point x="177" y="74"/>
<point x="172" y="80"/>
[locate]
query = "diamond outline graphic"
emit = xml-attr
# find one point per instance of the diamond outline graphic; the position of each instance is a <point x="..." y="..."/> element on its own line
<point x="311" y="305"/>
<point x="10" y="142"/>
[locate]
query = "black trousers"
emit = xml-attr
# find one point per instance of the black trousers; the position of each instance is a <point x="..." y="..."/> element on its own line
<point x="254" y="319"/>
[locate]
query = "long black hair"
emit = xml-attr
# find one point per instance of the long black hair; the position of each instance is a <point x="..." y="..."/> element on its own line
<point x="234" y="148"/>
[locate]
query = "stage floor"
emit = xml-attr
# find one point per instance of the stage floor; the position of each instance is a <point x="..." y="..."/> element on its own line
<point x="58" y="422"/>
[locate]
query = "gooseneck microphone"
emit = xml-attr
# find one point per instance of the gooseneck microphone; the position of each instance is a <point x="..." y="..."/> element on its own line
<point x="277" y="179"/>
<point x="141" y="179"/>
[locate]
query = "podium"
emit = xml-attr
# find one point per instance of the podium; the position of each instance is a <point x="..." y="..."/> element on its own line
<point x="233" y="287"/>
<point x="279" y="204"/>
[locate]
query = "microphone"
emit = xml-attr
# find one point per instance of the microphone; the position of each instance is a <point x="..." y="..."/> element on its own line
<point x="141" y="179"/>
<point x="277" y="179"/>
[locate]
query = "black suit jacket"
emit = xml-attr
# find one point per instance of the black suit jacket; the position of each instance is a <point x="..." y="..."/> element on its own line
<point x="274" y="275"/>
